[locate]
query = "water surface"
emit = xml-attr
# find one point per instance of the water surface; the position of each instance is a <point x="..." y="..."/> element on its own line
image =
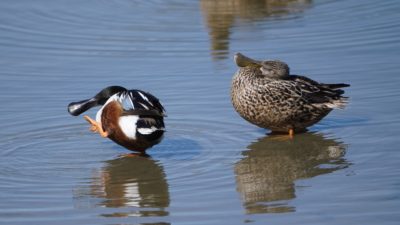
<point x="212" y="167"/>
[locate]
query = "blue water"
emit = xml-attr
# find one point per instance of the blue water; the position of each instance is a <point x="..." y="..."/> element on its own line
<point x="212" y="167"/>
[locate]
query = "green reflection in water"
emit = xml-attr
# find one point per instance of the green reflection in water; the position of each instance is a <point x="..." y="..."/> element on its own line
<point x="267" y="173"/>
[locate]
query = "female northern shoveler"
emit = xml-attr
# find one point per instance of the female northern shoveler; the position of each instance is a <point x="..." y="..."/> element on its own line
<point x="265" y="94"/>
<point x="131" y="118"/>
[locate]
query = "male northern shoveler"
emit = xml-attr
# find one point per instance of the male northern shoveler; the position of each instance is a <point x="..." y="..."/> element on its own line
<point x="131" y="118"/>
<point x="265" y="94"/>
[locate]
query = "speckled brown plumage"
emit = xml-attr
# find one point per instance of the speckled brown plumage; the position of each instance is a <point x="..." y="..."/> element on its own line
<point x="264" y="94"/>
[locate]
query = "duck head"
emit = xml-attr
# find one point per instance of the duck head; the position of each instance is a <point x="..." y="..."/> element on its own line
<point x="77" y="108"/>
<point x="271" y="68"/>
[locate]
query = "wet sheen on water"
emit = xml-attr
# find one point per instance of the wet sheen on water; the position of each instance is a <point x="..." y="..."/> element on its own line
<point x="212" y="166"/>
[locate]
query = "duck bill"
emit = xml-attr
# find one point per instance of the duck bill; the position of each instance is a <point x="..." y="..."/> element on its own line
<point x="244" y="61"/>
<point x="77" y="108"/>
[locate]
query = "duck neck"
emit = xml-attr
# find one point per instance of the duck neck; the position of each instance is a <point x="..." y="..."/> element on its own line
<point x="106" y="93"/>
<point x="77" y="108"/>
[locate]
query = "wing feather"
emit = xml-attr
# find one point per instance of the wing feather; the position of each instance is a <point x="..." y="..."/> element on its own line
<point x="301" y="88"/>
<point x="315" y="92"/>
<point x="136" y="102"/>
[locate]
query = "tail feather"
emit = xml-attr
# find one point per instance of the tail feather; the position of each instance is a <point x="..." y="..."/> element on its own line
<point x="336" y="86"/>
<point x="337" y="103"/>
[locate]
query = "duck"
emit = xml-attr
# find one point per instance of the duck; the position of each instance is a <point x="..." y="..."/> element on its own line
<point x="264" y="93"/>
<point x="133" y="118"/>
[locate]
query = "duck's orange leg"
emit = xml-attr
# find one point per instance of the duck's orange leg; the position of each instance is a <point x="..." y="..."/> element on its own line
<point x="282" y="136"/>
<point x="92" y="122"/>
<point x="134" y="154"/>
<point x="291" y="133"/>
<point x="96" y="127"/>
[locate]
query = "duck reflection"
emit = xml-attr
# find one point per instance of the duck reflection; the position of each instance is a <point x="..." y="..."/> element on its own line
<point x="132" y="181"/>
<point x="221" y="15"/>
<point x="266" y="175"/>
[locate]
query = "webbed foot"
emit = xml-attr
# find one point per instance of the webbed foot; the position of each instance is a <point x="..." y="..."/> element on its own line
<point x="96" y="127"/>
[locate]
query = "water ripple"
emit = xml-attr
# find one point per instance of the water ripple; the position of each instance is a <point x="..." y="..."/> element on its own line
<point x="62" y="32"/>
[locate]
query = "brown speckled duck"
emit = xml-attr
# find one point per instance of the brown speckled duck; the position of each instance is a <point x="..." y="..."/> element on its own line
<point x="265" y="94"/>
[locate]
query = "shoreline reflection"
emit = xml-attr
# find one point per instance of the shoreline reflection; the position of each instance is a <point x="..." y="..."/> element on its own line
<point x="220" y="16"/>
<point x="267" y="173"/>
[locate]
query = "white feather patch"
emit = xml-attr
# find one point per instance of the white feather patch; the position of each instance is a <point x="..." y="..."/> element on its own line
<point x="147" y="131"/>
<point x="128" y="125"/>
<point x="337" y="104"/>
<point x="99" y="113"/>
<point x="145" y="98"/>
<point x="144" y="106"/>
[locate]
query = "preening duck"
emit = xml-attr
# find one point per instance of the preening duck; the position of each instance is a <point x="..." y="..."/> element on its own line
<point x="131" y="118"/>
<point x="265" y="94"/>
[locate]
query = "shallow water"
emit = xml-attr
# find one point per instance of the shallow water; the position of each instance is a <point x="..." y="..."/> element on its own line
<point x="212" y="167"/>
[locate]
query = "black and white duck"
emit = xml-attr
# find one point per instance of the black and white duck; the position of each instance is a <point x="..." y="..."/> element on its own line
<point x="131" y="118"/>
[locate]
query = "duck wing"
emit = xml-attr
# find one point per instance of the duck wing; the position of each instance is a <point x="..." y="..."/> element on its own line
<point x="137" y="102"/>
<point x="316" y="93"/>
<point x="143" y="113"/>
